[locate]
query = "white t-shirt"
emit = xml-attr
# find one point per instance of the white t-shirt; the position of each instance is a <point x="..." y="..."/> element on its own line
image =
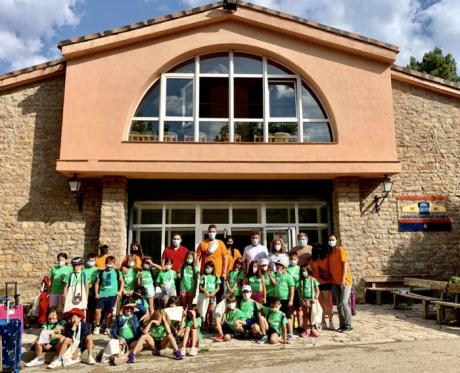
<point x="254" y="253"/>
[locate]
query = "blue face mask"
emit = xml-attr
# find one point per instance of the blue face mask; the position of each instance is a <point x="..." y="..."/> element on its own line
<point x="212" y="235"/>
<point x="302" y="242"/>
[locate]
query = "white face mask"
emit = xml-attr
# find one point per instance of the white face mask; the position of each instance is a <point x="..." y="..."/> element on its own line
<point x="146" y="266"/>
<point x="189" y="261"/>
<point x="90" y="264"/>
<point x="332" y="243"/>
<point x="208" y="270"/>
<point x="302" y="242"/>
<point x="247" y="296"/>
<point x="255" y="241"/>
<point x="176" y="243"/>
<point x="231" y="306"/>
<point x="61" y="263"/>
<point x="131" y="264"/>
<point x="212" y="235"/>
<point x="277" y="247"/>
<point x="168" y="267"/>
<point x="293" y="262"/>
<point x="109" y="266"/>
<point x="305" y="274"/>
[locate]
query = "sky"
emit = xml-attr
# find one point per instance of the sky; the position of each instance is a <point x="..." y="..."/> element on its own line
<point x="31" y="29"/>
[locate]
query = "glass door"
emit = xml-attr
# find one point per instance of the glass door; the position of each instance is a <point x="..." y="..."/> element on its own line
<point x="286" y="234"/>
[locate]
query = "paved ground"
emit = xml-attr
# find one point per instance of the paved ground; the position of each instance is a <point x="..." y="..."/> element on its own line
<point x="383" y="340"/>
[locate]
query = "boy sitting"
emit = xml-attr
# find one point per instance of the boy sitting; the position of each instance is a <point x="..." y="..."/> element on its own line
<point x="250" y="309"/>
<point x="232" y="323"/>
<point x="277" y="321"/>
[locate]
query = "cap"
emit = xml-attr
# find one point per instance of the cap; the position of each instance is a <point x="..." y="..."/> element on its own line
<point x="246" y="288"/>
<point x="75" y="311"/>
<point x="77" y="260"/>
<point x="263" y="262"/>
<point x="284" y="261"/>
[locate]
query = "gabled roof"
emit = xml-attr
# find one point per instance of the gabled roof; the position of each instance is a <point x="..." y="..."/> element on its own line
<point x="218" y="4"/>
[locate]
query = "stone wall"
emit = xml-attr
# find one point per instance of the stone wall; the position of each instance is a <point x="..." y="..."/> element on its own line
<point x="428" y="139"/>
<point x="39" y="216"/>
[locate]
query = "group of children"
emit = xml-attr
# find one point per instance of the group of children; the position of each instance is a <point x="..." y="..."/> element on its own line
<point x="256" y="301"/>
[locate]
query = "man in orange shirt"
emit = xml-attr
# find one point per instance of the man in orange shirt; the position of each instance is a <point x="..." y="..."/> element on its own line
<point x="103" y="254"/>
<point x="341" y="283"/>
<point x="213" y="250"/>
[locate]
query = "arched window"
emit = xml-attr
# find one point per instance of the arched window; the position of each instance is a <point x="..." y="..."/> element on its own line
<point x="230" y="97"/>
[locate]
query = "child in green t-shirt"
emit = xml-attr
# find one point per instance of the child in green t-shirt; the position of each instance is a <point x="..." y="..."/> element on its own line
<point x="308" y="291"/>
<point x="146" y="278"/>
<point x="285" y="290"/>
<point x="55" y="339"/>
<point x="191" y="323"/>
<point x="91" y="271"/>
<point x="129" y="274"/>
<point x="166" y="280"/>
<point x="276" y="321"/>
<point x="188" y="275"/>
<point x="235" y="278"/>
<point x="232" y="323"/>
<point x="59" y="274"/>
<point x="209" y="287"/>
<point x="296" y="310"/>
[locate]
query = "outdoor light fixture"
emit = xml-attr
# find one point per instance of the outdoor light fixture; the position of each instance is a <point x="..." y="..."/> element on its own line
<point x="75" y="184"/>
<point x="386" y="185"/>
<point x="230" y="4"/>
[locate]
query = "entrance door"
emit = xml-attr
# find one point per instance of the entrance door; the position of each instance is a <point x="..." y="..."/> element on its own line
<point x="222" y="232"/>
<point x="241" y="237"/>
<point x="287" y="234"/>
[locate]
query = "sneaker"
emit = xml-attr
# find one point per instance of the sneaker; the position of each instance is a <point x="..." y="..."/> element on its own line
<point x="131" y="358"/>
<point x="290" y="335"/>
<point x="178" y="355"/>
<point x="97" y="330"/>
<point x="107" y="331"/>
<point x="304" y="334"/>
<point x="262" y="340"/>
<point x="183" y="351"/>
<point x="68" y="362"/>
<point x="91" y="360"/>
<point x="56" y="363"/>
<point x="219" y="338"/>
<point x="314" y="333"/>
<point x="35" y="362"/>
<point x="193" y="351"/>
<point x="345" y="329"/>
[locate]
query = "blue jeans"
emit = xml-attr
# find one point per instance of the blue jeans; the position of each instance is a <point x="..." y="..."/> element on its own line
<point x="341" y="299"/>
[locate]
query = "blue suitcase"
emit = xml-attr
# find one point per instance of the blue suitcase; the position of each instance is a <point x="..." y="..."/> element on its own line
<point x="10" y="337"/>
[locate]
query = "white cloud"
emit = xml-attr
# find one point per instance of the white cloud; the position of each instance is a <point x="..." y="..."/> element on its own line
<point x="26" y="26"/>
<point x="409" y="24"/>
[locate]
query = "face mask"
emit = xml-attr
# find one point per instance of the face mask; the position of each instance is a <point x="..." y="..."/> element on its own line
<point x="255" y="241"/>
<point x="302" y="242"/>
<point x="293" y="262"/>
<point x="212" y="235"/>
<point x="61" y="263"/>
<point x="77" y="270"/>
<point x="109" y="266"/>
<point x="146" y="266"/>
<point x="247" y="296"/>
<point x="168" y="267"/>
<point x="189" y="261"/>
<point x="176" y="243"/>
<point x="305" y="274"/>
<point x="332" y="243"/>
<point x="135" y="251"/>
<point x="208" y="270"/>
<point x="131" y="264"/>
<point x="277" y="247"/>
<point x="231" y="306"/>
<point x="229" y="244"/>
<point x="90" y="264"/>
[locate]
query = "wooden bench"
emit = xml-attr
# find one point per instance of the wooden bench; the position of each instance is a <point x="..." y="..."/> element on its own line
<point x="417" y="284"/>
<point x="382" y="284"/>
<point x="441" y="305"/>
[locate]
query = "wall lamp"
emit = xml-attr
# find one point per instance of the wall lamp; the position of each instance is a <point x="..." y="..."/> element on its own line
<point x="386" y="185"/>
<point x="230" y="5"/>
<point x="75" y="185"/>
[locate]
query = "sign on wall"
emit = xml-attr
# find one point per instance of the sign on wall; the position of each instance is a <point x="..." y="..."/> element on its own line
<point x="423" y="214"/>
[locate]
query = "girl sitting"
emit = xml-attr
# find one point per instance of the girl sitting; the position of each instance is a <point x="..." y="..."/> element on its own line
<point x="191" y="323"/>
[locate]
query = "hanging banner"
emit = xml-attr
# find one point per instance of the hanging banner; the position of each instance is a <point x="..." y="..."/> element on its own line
<point x="423" y="214"/>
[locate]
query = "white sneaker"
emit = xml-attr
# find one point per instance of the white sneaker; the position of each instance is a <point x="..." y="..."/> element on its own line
<point x="105" y="359"/>
<point x="107" y="331"/>
<point x="68" y="362"/>
<point x="56" y="363"/>
<point x="91" y="360"/>
<point x="183" y="351"/>
<point x="35" y="362"/>
<point x="96" y="330"/>
<point x="193" y="351"/>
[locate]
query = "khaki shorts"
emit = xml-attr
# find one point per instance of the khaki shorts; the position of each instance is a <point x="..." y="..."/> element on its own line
<point x="56" y="300"/>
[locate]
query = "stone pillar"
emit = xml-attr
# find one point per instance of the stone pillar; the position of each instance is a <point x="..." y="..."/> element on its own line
<point x="114" y="214"/>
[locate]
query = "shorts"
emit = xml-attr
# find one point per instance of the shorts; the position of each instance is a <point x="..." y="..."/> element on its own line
<point x="296" y="301"/>
<point x="257" y="296"/>
<point x="285" y="308"/>
<point x="327" y="286"/>
<point x="250" y="323"/>
<point x="187" y="294"/>
<point x="158" y="344"/>
<point x="92" y="301"/>
<point x="226" y="329"/>
<point x="213" y="300"/>
<point x="56" y="300"/>
<point x="106" y="303"/>
<point x="149" y="291"/>
<point x="271" y="331"/>
<point x="307" y="302"/>
<point x="167" y="293"/>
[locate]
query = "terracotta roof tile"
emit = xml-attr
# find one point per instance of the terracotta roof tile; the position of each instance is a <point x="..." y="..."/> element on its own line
<point x="424" y="76"/>
<point x="29" y="69"/>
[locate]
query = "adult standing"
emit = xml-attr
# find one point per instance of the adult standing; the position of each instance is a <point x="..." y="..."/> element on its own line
<point x="303" y="249"/>
<point x="233" y="253"/>
<point x="177" y="253"/>
<point x="254" y="252"/>
<point x="341" y="282"/>
<point x="213" y="250"/>
<point x="277" y="251"/>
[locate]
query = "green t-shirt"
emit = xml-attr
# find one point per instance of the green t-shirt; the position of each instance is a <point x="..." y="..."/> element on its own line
<point x="255" y="283"/>
<point x="275" y="319"/>
<point x="130" y="279"/>
<point x="127" y="330"/>
<point x="233" y="278"/>
<point x="269" y="287"/>
<point x="91" y="277"/>
<point x="48" y="326"/>
<point x="145" y="277"/>
<point x="167" y="278"/>
<point x="60" y="276"/>
<point x="211" y="282"/>
<point x="284" y="282"/>
<point x="232" y="316"/>
<point x="189" y="323"/>
<point x="158" y="332"/>
<point x="108" y="283"/>
<point x="307" y="291"/>
<point x="294" y="271"/>
<point x="76" y="278"/>
<point x="187" y="281"/>
<point x="249" y="309"/>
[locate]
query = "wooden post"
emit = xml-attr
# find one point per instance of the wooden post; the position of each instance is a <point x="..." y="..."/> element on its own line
<point x="395" y="301"/>
<point x="378" y="298"/>
<point x="440" y="314"/>
<point x="426" y="309"/>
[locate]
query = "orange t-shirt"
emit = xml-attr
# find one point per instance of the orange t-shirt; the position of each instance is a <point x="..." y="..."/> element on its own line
<point x="324" y="264"/>
<point x="336" y="260"/>
<point x="231" y="259"/>
<point x="217" y="257"/>
<point x="138" y="264"/>
<point x="100" y="261"/>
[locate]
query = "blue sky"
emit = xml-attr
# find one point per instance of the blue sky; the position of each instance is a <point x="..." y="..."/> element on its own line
<point x="30" y="29"/>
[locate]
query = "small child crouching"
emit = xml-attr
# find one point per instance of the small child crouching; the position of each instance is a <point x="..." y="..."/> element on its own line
<point x="232" y="323"/>
<point x="276" y="322"/>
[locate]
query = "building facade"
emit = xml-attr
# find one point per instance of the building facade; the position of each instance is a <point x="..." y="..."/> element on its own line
<point x="252" y="119"/>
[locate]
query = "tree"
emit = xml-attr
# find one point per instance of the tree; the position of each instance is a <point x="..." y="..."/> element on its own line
<point x="435" y="63"/>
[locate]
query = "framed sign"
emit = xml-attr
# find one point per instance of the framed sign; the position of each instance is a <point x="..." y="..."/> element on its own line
<point x="423" y="214"/>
